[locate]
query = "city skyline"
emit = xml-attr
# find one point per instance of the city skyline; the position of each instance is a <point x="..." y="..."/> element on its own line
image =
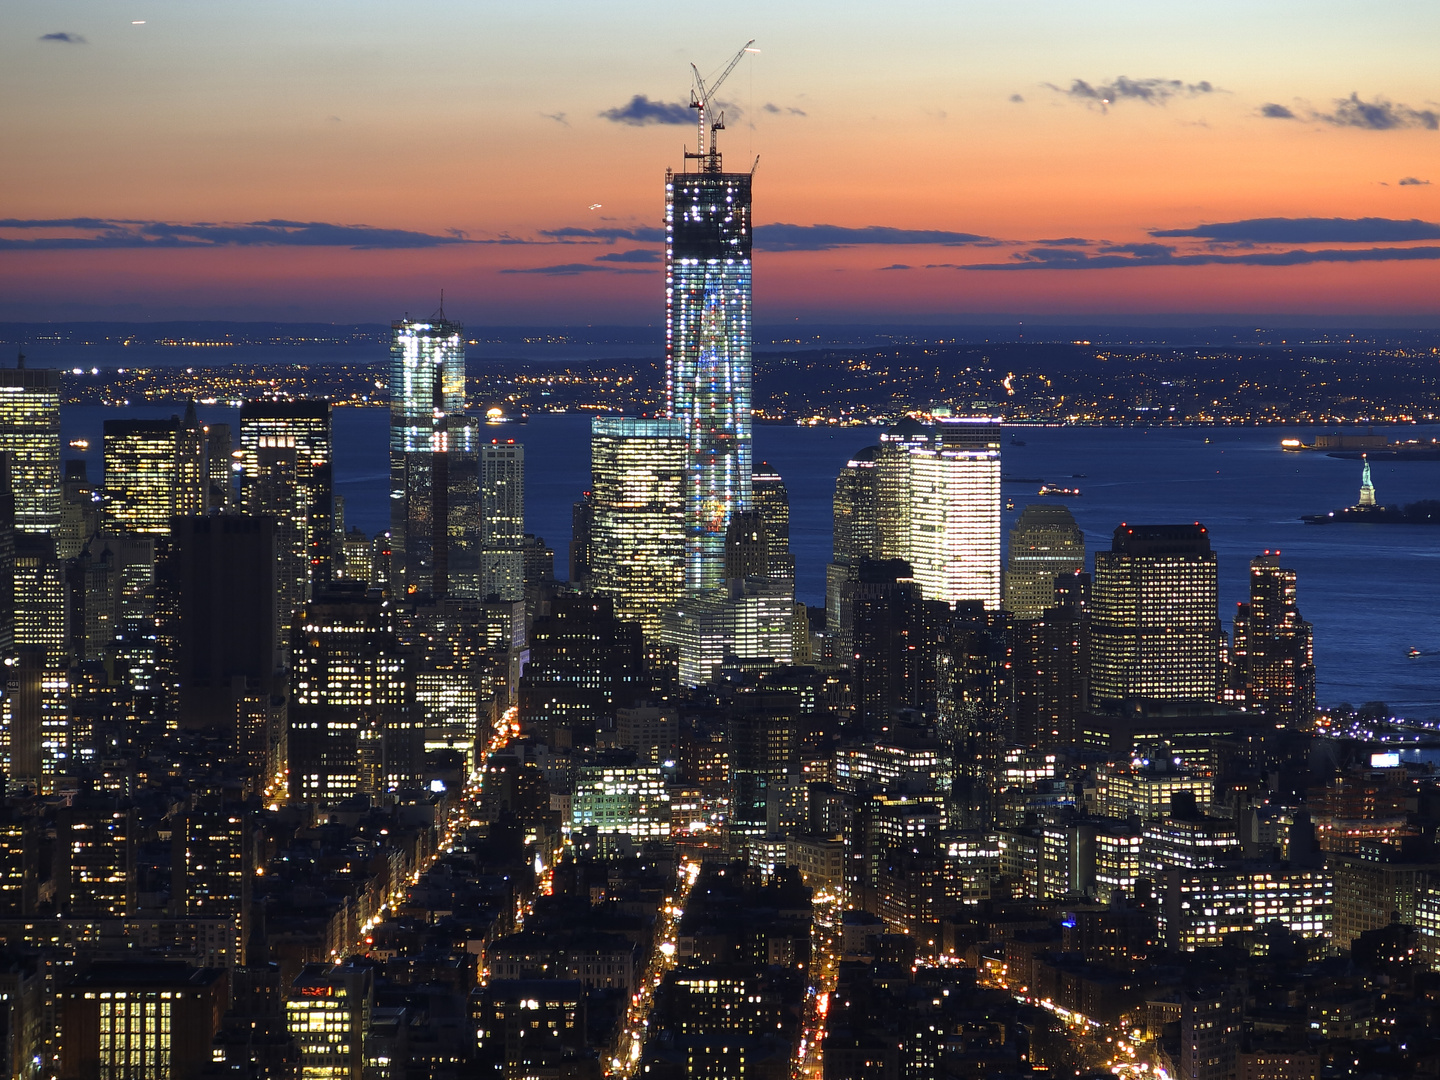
<point x="1117" y="160"/>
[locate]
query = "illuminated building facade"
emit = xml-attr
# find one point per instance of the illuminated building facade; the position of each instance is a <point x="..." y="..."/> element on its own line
<point x="621" y="797"/>
<point x="1198" y="908"/>
<point x="502" y="520"/>
<point x="434" y="482"/>
<point x="214" y="862"/>
<point x="1045" y="543"/>
<point x="1154" y="616"/>
<point x="349" y="714"/>
<point x="636" y="551"/>
<point x="708" y="316"/>
<point x="1273" y="655"/>
<point x="30" y="434"/>
<point x="131" y="1019"/>
<point x="327" y="1012"/>
<point x="140" y="474"/>
<point x="772" y="501"/>
<point x="748" y="620"/>
<point x="1135" y="791"/>
<point x="286" y="473"/>
<point x="938" y="506"/>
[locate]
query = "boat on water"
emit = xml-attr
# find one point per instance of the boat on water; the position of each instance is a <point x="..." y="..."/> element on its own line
<point x="1016" y="442"/>
<point x="1056" y="489"/>
<point x="1412" y="652"/>
<point x="79" y="444"/>
<point x="1009" y="504"/>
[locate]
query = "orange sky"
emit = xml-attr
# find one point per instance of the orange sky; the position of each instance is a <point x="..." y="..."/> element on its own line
<point x="490" y="120"/>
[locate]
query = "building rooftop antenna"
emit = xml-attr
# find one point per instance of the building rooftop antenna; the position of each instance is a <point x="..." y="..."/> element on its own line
<point x="701" y="97"/>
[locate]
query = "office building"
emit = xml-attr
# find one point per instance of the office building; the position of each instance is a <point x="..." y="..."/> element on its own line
<point x="30" y="434"/>
<point x="213" y="861"/>
<point x="636" y="517"/>
<point x="772" y="501"/>
<point x="327" y="1012"/>
<point x="584" y="663"/>
<point x="151" y="1018"/>
<point x="1272" y="656"/>
<point x="286" y="473"/>
<point x="434" y="481"/>
<point x="618" y="794"/>
<point x="35" y="713"/>
<point x="217" y="605"/>
<point x="154" y="471"/>
<point x="528" y="1025"/>
<point x="79" y="510"/>
<point x="708" y="313"/>
<point x="938" y="506"/>
<point x="750" y="619"/>
<point x="856" y="532"/>
<point x="747" y="546"/>
<point x="502" y="520"/>
<point x="1050" y="655"/>
<point x="351" y="725"/>
<point x="1044" y="544"/>
<point x="1154" y="620"/>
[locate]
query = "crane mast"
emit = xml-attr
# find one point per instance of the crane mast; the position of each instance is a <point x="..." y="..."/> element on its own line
<point x="701" y="96"/>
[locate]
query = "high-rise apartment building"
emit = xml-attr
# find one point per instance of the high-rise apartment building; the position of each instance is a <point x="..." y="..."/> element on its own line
<point x="502" y="520"/>
<point x="938" y="506"/>
<point x="636" y="514"/>
<point x="1272" y="656"/>
<point x="1155" y="628"/>
<point x="154" y="471"/>
<point x="1045" y="543"/>
<point x="286" y="456"/>
<point x="434" y="482"/>
<point x="30" y="434"/>
<point x="707" y="351"/>
<point x="327" y="1011"/>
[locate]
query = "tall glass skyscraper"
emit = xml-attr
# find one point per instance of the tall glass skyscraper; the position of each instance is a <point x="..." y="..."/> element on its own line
<point x="707" y="353"/>
<point x="434" y="492"/>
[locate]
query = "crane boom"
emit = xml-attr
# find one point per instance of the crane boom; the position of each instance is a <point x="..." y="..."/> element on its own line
<point x="700" y="98"/>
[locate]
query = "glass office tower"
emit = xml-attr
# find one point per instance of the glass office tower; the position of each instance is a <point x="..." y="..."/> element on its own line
<point x="30" y="434"/>
<point x="707" y="353"/>
<point x="434" y="481"/>
<point x="637" y="506"/>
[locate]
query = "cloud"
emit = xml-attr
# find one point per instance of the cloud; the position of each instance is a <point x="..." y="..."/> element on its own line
<point x="785" y="237"/>
<point x="1138" y="249"/>
<point x="1052" y="259"/>
<point x="1123" y="88"/>
<point x="1378" y="115"/>
<point x="1066" y="241"/>
<point x="1272" y="111"/>
<point x="571" y="269"/>
<point x="635" y="255"/>
<point x="898" y="266"/>
<point x="558" y="117"/>
<point x="1311" y="231"/>
<point x="644" y="234"/>
<point x="64" y="37"/>
<point x="771" y="107"/>
<point x="1413" y="181"/>
<point x="640" y="110"/>
<point x="124" y="233"/>
<point x="1017" y="99"/>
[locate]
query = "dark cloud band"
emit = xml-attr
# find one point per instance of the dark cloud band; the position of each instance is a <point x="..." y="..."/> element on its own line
<point x="1368" y="230"/>
<point x="1048" y="259"/>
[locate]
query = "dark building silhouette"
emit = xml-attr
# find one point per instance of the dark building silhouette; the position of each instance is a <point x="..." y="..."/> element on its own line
<point x="584" y="662"/>
<point x="216" y="597"/>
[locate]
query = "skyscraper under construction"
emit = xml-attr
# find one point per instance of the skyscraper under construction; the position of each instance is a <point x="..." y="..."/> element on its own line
<point x="707" y="339"/>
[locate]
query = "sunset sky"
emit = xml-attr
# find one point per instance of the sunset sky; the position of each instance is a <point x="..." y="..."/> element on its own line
<point x="344" y="161"/>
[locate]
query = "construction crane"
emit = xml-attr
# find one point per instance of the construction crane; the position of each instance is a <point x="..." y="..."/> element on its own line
<point x="700" y="98"/>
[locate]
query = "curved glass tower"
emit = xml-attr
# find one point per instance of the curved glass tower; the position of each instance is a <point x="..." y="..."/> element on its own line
<point x="707" y="353"/>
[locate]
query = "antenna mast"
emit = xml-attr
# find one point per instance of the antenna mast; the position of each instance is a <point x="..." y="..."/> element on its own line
<point x="701" y="96"/>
